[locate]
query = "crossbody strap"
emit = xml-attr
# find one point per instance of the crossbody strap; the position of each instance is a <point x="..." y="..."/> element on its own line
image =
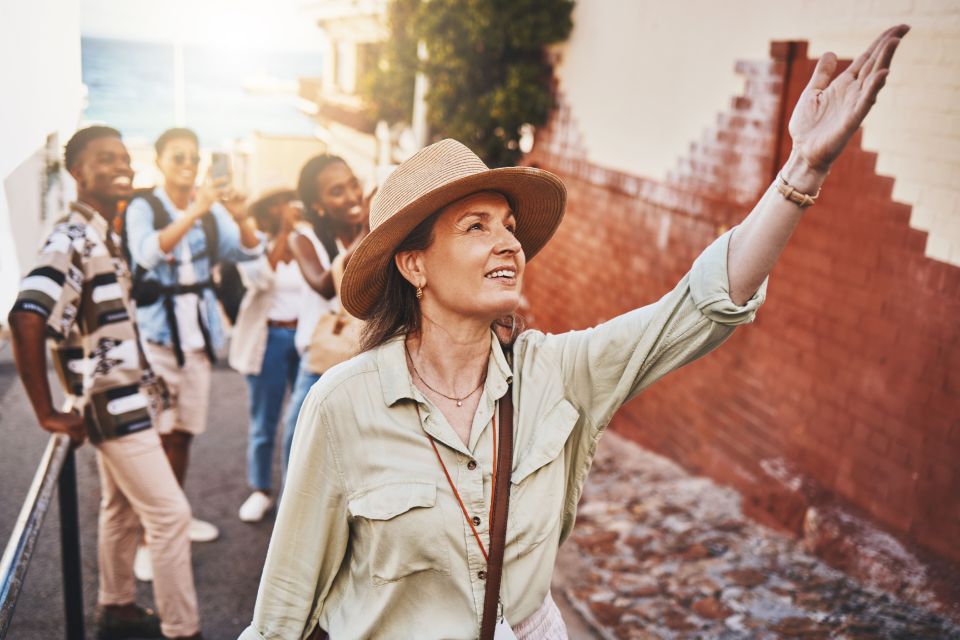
<point x="498" y="522"/>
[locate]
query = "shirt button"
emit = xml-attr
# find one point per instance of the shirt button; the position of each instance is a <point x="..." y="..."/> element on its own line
<point x="482" y="575"/>
<point x="471" y="465"/>
<point x="476" y="521"/>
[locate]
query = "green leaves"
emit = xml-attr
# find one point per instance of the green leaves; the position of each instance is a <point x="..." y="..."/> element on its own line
<point x="486" y="65"/>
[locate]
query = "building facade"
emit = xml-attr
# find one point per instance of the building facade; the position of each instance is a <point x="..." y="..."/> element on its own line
<point x="40" y="46"/>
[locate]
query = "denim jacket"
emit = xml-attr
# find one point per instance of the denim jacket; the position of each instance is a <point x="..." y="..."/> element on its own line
<point x="144" y="242"/>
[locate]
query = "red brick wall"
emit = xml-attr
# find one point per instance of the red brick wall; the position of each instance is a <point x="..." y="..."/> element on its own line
<point x="848" y="382"/>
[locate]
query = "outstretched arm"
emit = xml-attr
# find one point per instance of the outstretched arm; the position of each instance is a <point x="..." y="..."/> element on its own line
<point x="828" y="113"/>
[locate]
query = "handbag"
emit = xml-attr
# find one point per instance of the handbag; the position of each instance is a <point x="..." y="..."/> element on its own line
<point x="335" y="339"/>
<point x="336" y="336"/>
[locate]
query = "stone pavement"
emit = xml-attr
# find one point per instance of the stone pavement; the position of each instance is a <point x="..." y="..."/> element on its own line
<point x="658" y="553"/>
<point x="227" y="571"/>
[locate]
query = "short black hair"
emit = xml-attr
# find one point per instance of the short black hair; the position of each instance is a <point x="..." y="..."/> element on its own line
<point x="174" y="134"/>
<point x="79" y="141"/>
<point x="307" y="185"/>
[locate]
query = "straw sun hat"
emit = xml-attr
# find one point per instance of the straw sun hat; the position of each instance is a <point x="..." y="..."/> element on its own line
<point x="430" y="180"/>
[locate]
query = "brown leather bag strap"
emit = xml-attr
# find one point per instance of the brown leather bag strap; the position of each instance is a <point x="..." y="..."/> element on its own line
<point x="498" y="521"/>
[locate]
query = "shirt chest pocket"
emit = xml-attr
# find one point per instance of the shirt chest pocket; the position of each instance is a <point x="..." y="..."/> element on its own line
<point x="539" y="482"/>
<point x="397" y="530"/>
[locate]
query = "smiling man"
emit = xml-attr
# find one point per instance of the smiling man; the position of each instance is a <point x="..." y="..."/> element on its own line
<point x="78" y="296"/>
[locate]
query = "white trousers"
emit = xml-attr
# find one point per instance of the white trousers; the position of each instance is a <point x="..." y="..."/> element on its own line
<point x="140" y="493"/>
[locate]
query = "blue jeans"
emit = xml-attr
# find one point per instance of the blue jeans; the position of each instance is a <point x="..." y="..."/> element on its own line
<point x="267" y="389"/>
<point x="305" y="380"/>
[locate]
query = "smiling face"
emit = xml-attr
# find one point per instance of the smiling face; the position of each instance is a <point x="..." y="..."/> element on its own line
<point x="340" y="194"/>
<point x="178" y="162"/>
<point x="474" y="264"/>
<point x="103" y="171"/>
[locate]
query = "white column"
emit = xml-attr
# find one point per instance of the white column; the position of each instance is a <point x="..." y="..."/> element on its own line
<point x="420" y="86"/>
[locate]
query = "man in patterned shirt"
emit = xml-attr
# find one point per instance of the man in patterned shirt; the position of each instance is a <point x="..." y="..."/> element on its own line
<point x="78" y="297"/>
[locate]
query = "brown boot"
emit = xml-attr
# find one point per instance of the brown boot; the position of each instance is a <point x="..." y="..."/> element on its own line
<point x="118" y="622"/>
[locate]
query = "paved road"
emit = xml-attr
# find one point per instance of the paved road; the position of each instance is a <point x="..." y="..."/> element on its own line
<point x="227" y="571"/>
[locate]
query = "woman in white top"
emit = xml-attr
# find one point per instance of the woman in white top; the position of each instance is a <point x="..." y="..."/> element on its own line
<point x="263" y="343"/>
<point x="335" y="218"/>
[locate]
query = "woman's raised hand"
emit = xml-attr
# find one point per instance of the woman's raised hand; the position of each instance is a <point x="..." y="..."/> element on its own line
<point x="829" y="112"/>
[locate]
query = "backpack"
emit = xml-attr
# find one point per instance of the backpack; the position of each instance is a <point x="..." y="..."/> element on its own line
<point x="229" y="289"/>
<point x="161" y="218"/>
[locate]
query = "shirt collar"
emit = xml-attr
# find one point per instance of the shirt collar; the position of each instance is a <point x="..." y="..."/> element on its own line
<point x="92" y="216"/>
<point x="397" y="384"/>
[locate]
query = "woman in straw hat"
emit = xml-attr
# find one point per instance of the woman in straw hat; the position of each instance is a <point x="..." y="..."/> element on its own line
<point x="398" y="463"/>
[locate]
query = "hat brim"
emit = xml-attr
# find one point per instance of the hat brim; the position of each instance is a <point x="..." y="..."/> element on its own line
<point x="537" y="197"/>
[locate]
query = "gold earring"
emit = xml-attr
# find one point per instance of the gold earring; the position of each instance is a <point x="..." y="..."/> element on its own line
<point x="419" y="293"/>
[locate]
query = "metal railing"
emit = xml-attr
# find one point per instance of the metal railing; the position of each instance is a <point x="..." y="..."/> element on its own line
<point x="57" y="468"/>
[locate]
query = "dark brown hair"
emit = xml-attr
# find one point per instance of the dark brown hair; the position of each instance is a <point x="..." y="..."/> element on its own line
<point x="309" y="193"/>
<point x="397" y="312"/>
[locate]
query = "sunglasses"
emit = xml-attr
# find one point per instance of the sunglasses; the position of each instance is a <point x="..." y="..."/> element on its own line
<point x="182" y="158"/>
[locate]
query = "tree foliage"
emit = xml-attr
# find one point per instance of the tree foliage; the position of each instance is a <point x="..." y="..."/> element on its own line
<point x="486" y="65"/>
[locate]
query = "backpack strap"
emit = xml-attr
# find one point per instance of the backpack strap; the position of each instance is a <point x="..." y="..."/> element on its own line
<point x="212" y="232"/>
<point x="161" y="218"/>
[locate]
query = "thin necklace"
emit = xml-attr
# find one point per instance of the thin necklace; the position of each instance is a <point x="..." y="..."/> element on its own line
<point x="459" y="401"/>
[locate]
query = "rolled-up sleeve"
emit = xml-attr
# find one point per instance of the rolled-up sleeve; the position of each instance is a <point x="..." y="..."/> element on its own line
<point x="710" y="286"/>
<point x="142" y="238"/>
<point x="310" y="535"/>
<point x="604" y="367"/>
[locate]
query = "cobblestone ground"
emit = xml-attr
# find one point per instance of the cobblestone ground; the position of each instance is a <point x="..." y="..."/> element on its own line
<point x="658" y="553"/>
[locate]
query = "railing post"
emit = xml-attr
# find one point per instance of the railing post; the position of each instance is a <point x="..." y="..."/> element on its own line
<point x="70" y="548"/>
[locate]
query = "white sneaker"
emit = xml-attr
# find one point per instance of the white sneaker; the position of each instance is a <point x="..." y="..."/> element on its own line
<point x="256" y="507"/>
<point x="143" y="565"/>
<point x="201" y="531"/>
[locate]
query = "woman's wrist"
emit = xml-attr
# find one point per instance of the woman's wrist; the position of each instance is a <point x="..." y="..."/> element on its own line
<point x="801" y="176"/>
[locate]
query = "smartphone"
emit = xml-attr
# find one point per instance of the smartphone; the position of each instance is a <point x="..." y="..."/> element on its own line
<point x="219" y="166"/>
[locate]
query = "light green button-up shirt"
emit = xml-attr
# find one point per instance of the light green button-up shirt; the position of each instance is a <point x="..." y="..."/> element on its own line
<point x="369" y="540"/>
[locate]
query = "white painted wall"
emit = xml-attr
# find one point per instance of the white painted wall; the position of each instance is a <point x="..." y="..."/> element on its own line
<point x="40" y="76"/>
<point x="644" y="78"/>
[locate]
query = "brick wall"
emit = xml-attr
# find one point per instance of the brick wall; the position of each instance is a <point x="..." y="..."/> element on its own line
<point x="620" y="66"/>
<point x="846" y="388"/>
